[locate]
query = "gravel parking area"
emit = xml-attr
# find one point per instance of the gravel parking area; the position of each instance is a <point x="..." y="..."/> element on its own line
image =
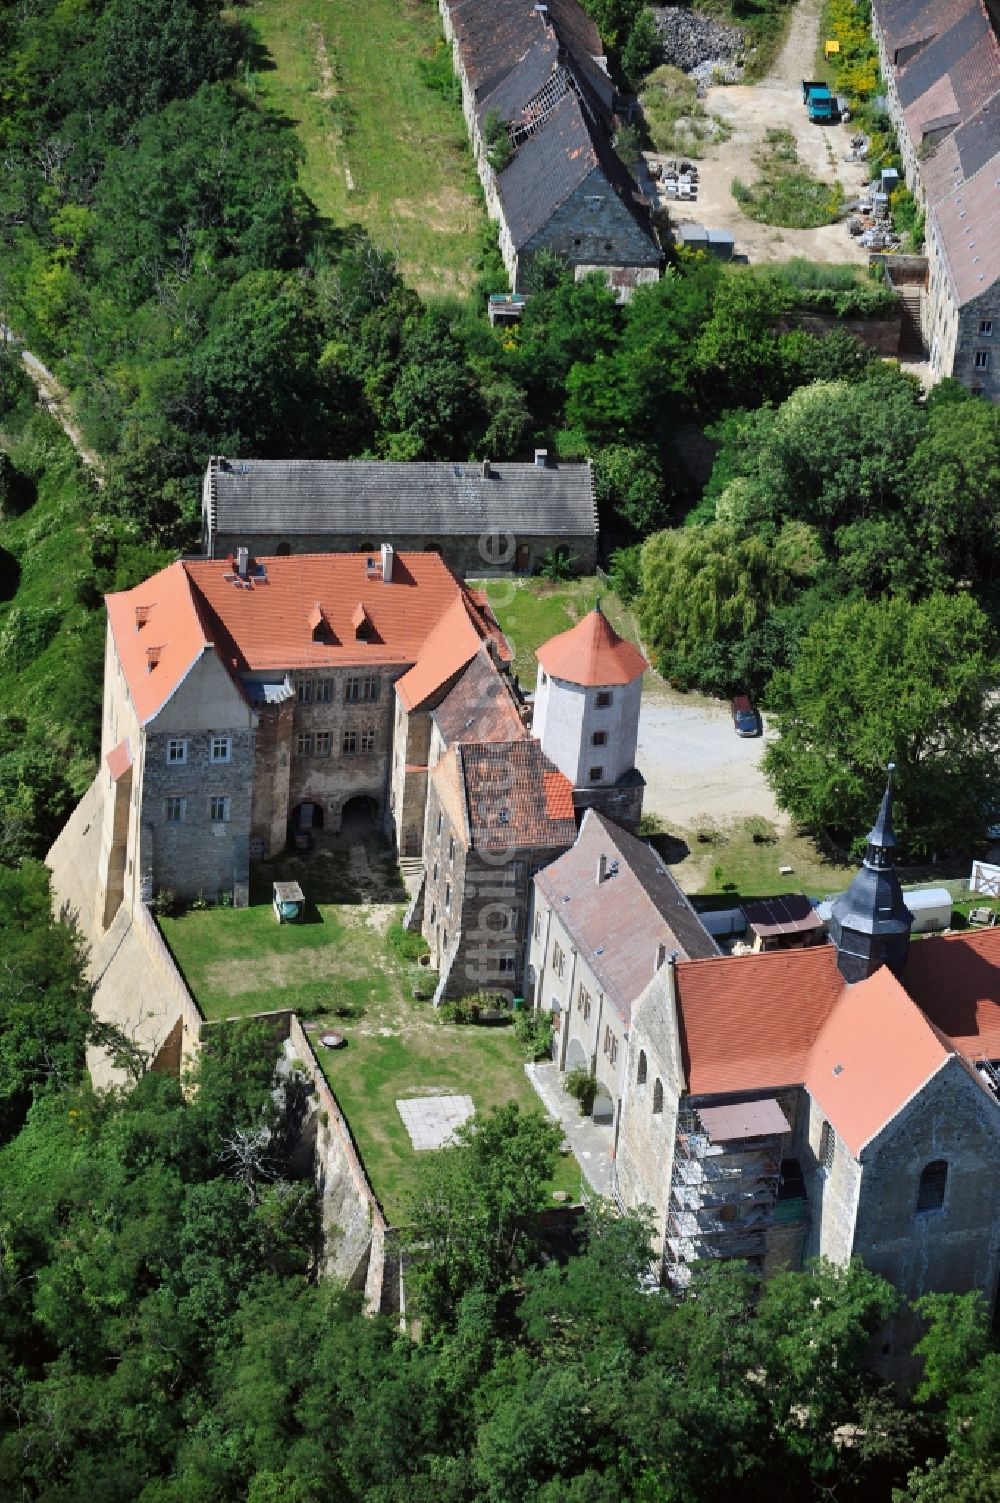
<point x="694" y="763"/>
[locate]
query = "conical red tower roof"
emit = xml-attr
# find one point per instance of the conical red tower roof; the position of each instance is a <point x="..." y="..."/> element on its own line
<point x="592" y="654"/>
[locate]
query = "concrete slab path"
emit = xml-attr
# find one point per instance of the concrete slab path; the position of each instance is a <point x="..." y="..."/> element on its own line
<point x="589" y="1142"/>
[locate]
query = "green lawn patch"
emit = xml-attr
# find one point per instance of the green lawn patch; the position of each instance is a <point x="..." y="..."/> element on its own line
<point x="675" y="118"/>
<point x="786" y="193"/>
<point x="732" y="864"/>
<point x="531" y="611"/>
<point x="383" y="135"/>
<point x="348" y="967"/>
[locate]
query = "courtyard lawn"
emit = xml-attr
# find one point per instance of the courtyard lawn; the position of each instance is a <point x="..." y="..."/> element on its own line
<point x="531" y="611"/>
<point x="338" y="971"/>
<point x="383" y="149"/>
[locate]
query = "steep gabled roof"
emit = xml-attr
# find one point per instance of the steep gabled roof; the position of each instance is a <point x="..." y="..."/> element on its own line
<point x="620" y="924"/>
<point x="872" y="1055"/>
<point x="480" y="705"/>
<point x="159" y="635"/>
<point x="449" y="647"/>
<point x="592" y="654"/>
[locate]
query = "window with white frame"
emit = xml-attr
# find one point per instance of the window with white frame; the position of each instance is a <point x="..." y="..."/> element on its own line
<point x="304" y="690"/>
<point x="304" y="744"/>
<point x="361" y="689"/>
<point x="986" y="327"/>
<point x="506" y="965"/>
<point x="324" y="691"/>
<point x="177" y="750"/>
<point x="558" y="958"/>
<point x="322" y="743"/>
<point x="222" y="748"/>
<point x="981" y="360"/>
<point x="368" y="741"/>
<point x="218" y="808"/>
<point x="173" y="810"/>
<point x="349" y="743"/>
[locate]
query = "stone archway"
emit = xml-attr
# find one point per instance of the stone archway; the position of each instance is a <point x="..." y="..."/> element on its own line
<point x="576" y="1056"/>
<point x="359" y="817"/>
<point x="604" y="1106"/>
<point x="307" y="816"/>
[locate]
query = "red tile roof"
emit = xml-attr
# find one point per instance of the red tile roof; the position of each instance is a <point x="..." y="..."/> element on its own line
<point x="158" y="654"/>
<point x="514" y="798"/>
<point x="449" y="647"/>
<point x="480" y="705"/>
<point x="119" y="760"/>
<point x="872" y="1055"/>
<point x="269" y="621"/>
<point x="748" y="1022"/>
<point x="592" y="654"/>
<point x="955" y="980"/>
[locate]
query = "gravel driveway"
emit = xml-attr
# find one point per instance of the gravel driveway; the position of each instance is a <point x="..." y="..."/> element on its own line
<point x="694" y="763"/>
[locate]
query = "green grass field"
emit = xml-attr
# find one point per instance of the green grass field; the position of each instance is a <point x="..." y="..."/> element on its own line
<point x="532" y="610"/>
<point x="337" y="970"/>
<point x="382" y="148"/>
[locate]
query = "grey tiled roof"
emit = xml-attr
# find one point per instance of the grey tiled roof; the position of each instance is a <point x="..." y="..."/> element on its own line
<point x="619" y="924"/>
<point x="480" y="706"/>
<point x="941" y="56"/>
<point x="298" y="496"/>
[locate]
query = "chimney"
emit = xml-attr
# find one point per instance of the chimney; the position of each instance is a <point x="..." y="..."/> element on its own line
<point x="243" y="562"/>
<point x="602" y="868"/>
<point x="487" y="472"/>
<point x="388" y="553"/>
<point x="541" y="458"/>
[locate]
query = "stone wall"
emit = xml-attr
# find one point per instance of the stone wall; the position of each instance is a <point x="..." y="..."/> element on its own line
<point x="472" y="554"/>
<point x="879" y="334"/>
<point x="198" y="856"/>
<point x="979" y="337"/>
<point x="408" y="797"/>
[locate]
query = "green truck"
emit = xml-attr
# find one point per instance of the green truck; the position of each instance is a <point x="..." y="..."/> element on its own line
<point x="819" y="101"/>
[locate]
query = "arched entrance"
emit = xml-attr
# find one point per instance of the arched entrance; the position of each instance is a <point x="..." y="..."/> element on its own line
<point x="359" y="817"/>
<point x="283" y="550"/>
<point x="307" y="816"/>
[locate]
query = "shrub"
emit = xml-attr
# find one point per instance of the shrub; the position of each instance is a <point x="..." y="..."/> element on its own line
<point x="533" y="1031"/>
<point x="423" y="982"/>
<point x="582" y="1086"/>
<point x="28" y="632"/>
<point x="16" y="387"/>
<point x="455" y="1010"/>
<point x="707" y="831"/>
<point x="165" y="903"/>
<point x="404" y="944"/>
<point x="650" y="824"/>
<point x="497" y="138"/>
<point x="438" y="73"/>
<point x="555" y="565"/>
<point x="626" y="572"/>
<point x="761" y="831"/>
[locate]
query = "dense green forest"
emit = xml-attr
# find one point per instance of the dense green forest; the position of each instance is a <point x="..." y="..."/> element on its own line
<point x="157" y="251"/>
<point x="163" y="1337"/>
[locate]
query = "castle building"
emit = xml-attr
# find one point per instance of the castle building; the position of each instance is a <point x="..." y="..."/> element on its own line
<point x="586" y="715"/>
<point x="839" y="1100"/>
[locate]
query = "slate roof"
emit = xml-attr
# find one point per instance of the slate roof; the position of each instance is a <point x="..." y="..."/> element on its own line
<point x="954" y="80"/>
<point x="386" y="498"/>
<point x="549" y="166"/>
<point x="479" y="706"/>
<point x="591" y="654"/>
<point x="619" y="924"/>
<point x="264" y="624"/>
<point x="514" y="798"/>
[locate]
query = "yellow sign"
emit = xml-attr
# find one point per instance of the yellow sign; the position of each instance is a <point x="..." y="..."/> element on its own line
<point x="830" y="49"/>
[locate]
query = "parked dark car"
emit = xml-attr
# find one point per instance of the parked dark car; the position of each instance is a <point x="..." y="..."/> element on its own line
<point x="745" y="717"/>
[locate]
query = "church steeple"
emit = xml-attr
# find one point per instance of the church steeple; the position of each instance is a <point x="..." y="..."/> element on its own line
<point x="870" y="925"/>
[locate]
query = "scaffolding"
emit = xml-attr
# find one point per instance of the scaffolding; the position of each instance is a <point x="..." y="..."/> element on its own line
<point x="723" y="1188"/>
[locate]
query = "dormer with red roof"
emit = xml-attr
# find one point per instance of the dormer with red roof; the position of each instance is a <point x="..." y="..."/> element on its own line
<point x="586" y="715"/>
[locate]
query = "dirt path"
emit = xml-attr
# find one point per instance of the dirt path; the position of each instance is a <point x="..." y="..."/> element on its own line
<point x="54" y="398"/>
<point x="749" y="110"/>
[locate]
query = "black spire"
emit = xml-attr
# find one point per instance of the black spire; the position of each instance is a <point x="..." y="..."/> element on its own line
<point x="870" y="924"/>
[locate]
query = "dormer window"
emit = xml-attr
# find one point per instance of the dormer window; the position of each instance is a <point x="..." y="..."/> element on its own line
<point x="363" y="625"/>
<point x="142" y="614"/>
<point x="319" y="624"/>
<point x="153" y="658"/>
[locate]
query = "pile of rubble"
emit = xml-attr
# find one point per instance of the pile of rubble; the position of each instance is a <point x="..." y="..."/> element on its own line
<point x="703" y="48"/>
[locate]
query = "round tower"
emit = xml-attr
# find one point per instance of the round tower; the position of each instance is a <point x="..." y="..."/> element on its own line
<point x="586" y="715"/>
<point x="870" y="924"/>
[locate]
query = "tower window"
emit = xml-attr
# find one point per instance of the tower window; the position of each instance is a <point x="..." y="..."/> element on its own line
<point x="930" y="1195"/>
<point x="604" y="699"/>
<point x="596" y="774"/>
<point x="599" y="738"/>
<point x="640" y="1074"/>
<point x="827" y="1144"/>
<point x="657" y="1096"/>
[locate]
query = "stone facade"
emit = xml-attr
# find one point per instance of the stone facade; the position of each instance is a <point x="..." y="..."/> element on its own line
<point x="474" y="555"/>
<point x="196" y="795"/>
<point x="592" y="227"/>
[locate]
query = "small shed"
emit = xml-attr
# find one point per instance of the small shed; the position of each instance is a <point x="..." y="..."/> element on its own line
<point x="783" y="923"/>
<point x="721" y="244"/>
<point x="289" y="902"/>
<point x="692" y="237"/>
<point x="931" y="908"/>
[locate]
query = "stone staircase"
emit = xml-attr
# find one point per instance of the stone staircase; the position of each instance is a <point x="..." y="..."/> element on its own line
<point x="911" y="343"/>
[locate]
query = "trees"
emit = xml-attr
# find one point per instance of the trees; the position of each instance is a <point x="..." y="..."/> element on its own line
<point x="890" y="680"/>
<point x="474" y="1206"/>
